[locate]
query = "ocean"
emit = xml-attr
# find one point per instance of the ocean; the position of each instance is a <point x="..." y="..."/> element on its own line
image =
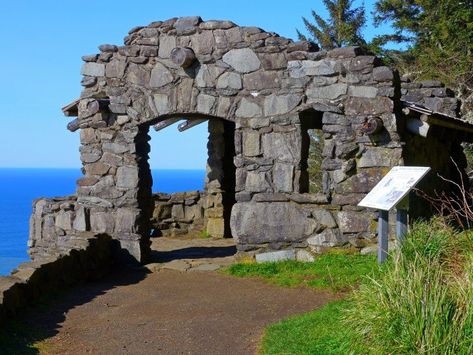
<point x="19" y="187"/>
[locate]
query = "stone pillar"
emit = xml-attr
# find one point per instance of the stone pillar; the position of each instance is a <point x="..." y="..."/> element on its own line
<point x="116" y="187"/>
<point x="219" y="182"/>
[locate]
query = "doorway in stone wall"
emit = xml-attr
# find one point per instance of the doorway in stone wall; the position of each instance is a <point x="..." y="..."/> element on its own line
<point x="203" y="209"/>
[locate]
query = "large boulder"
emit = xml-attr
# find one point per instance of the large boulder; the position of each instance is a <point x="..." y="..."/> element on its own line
<point x="259" y="223"/>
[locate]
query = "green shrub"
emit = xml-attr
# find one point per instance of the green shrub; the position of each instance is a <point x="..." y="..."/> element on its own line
<point x="422" y="302"/>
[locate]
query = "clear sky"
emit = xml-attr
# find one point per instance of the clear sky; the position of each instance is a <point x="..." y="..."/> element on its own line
<point x="43" y="41"/>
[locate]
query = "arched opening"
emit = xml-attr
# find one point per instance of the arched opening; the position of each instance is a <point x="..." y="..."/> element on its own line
<point x="201" y="206"/>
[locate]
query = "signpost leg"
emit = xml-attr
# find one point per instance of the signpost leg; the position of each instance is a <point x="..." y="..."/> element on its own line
<point x="383" y="232"/>
<point x="401" y="224"/>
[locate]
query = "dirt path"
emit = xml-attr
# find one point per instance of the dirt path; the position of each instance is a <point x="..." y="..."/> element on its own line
<point x="168" y="312"/>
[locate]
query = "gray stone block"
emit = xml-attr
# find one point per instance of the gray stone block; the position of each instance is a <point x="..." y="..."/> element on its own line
<point x="160" y="76"/>
<point x="93" y="69"/>
<point x="243" y="60"/>
<point x="274" y="256"/>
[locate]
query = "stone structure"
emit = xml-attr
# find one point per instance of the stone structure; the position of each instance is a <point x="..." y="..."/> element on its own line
<point x="260" y="94"/>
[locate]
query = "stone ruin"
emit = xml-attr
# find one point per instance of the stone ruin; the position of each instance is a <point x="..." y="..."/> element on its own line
<point x="261" y="96"/>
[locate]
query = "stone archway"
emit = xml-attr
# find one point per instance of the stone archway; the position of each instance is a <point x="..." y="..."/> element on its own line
<point x="208" y="210"/>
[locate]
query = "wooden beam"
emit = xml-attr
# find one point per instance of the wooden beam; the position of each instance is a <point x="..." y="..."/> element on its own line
<point x="457" y="125"/>
<point x="189" y="124"/>
<point x="72" y="109"/>
<point x="166" y="123"/>
<point x="372" y="126"/>
<point x="183" y="56"/>
<point x="73" y="125"/>
<point x="417" y="127"/>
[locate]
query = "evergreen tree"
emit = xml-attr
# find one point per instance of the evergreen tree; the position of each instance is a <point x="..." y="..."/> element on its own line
<point x="342" y="28"/>
<point x="439" y="35"/>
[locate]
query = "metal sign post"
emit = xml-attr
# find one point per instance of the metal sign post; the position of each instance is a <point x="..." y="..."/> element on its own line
<point x="383" y="235"/>
<point x="401" y="219"/>
<point x="393" y="191"/>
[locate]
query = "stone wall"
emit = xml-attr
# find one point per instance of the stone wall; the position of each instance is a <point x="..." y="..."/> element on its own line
<point x="88" y="257"/>
<point x="178" y="213"/>
<point x="431" y="94"/>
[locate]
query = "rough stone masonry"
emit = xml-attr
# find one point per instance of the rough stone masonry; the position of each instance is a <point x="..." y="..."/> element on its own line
<point x="260" y="94"/>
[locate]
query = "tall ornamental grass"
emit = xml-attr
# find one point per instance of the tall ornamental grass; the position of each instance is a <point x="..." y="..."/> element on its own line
<point x="422" y="302"/>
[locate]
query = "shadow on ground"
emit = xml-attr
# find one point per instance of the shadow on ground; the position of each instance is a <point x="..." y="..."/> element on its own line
<point x="193" y="253"/>
<point x="44" y="319"/>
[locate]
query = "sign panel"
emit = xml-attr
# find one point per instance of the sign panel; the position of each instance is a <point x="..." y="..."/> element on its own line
<point x="394" y="187"/>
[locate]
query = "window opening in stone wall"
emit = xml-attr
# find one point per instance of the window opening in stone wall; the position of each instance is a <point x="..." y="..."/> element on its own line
<point x="178" y="159"/>
<point x="312" y="146"/>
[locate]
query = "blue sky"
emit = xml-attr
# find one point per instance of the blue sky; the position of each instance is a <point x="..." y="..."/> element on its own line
<point x="43" y="41"/>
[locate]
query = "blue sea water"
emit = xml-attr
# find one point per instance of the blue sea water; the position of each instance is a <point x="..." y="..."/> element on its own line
<point x="19" y="187"/>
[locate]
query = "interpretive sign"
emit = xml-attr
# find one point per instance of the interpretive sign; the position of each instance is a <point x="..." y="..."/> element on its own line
<point x="393" y="187"/>
<point x="387" y="194"/>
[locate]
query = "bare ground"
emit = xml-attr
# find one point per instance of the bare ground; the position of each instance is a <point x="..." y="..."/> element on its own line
<point x="134" y="311"/>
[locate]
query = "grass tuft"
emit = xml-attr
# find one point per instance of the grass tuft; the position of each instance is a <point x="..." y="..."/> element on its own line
<point x="423" y="301"/>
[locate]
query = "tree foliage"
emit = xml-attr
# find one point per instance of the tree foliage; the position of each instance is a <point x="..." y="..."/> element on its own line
<point x="439" y="35"/>
<point x="342" y="28"/>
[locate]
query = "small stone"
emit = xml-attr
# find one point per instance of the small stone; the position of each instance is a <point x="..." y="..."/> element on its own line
<point x="275" y="256"/>
<point x="88" y="81"/>
<point x="261" y="80"/>
<point x="166" y="45"/>
<point x="161" y="102"/>
<point x="362" y="91"/>
<point x="160" y="76"/>
<point x="90" y="58"/>
<point x="354" y="222"/>
<point x="203" y="43"/>
<point x="187" y="25"/>
<point x="324" y="218"/>
<point x="327" y="238"/>
<point x="216" y="25"/>
<point x="115" y="69"/>
<point x="110" y="48"/>
<point x="304" y="256"/>
<point x="148" y="51"/>
<point x="243" y="60"/>
<point x="205" y="103"/>
<point x="383" y="74"/>
<point x="304" y="46"/>
<point x="330" y="92"/>
<point x="281" y="104"/>
<point x="127" y="177"/>
<point x="216" y="227"/>
<point x="248" y="109"/>
<point x="256" y="182"/>
<point x="251" y="144"/>
<point x="283" y="175"/>
<point x="229" y="81"/>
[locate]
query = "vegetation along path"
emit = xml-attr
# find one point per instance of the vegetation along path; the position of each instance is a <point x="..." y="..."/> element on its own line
<point x="165" y="312"/>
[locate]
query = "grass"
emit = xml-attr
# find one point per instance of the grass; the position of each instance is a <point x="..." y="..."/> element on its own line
<point x="423" y="302"/>
<point x="316" y="332"/>
<point x="329" y="271"/>
<point x="420" y="301"/>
